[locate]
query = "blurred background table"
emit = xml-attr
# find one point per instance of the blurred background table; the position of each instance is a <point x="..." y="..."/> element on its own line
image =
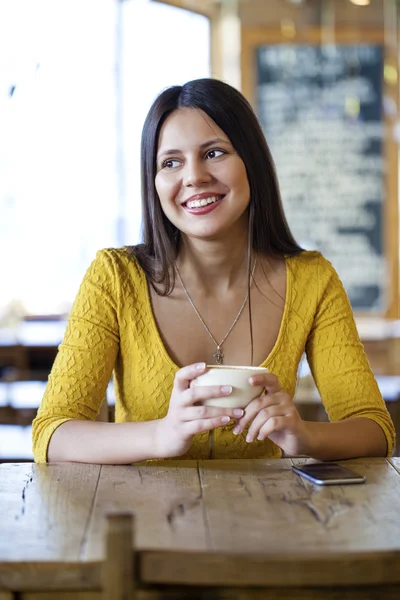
<point x="28" y="350"/>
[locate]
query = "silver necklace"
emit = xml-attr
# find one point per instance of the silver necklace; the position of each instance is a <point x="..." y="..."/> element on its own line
<point x="219" y="355"/>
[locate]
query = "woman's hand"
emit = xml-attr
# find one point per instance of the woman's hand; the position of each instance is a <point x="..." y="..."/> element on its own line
<point x="187" y="415"/>
<point x="274" y="415"/>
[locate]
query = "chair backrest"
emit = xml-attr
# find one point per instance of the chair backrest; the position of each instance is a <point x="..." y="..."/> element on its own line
<point x="181" y="575"/>
<point x="110" y="579"/>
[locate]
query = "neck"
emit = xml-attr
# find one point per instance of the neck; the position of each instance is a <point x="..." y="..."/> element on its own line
<point x="213" y="267"/>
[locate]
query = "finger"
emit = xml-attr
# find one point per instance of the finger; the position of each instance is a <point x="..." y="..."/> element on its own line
<point x="202" y="425"/>
<point x="253" y="408"/>
<point x="272" y="425"/>
<point x="184" y="376"/>
<point x="268" y="380"/>
<point x="261" y="419"/>
<point x="193" y="413"/>
<point x="201" y="393"/>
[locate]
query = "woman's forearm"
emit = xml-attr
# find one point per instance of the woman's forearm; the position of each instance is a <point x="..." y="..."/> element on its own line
<point x="350" y="438"/>
<point x="103" y="443"/>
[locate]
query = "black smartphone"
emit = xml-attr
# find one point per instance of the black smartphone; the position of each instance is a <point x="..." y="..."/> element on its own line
<point x="328" y="474"/>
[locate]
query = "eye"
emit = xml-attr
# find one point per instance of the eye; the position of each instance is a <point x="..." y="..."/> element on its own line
<point x="214" y="153"/>
<point x="170" y="163"/>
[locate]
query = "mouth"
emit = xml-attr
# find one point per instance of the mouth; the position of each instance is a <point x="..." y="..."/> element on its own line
<point x="203" y="205"/>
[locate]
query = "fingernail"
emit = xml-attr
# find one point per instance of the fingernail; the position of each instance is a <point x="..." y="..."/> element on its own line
<point x="252" y="380"/>
<point x="226" y="389"/>
<point x="225" y="419"/>
<point x="238" y="412"/>
<point x="249" y="438"/>
<point x="236" y="430"/>
<point x="200" y="366"/>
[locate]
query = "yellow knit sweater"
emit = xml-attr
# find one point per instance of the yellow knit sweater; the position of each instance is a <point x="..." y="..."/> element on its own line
<point x="112" y="328"/>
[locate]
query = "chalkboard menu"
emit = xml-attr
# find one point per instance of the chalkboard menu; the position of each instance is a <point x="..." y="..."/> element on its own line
<point x="321" y="111"/>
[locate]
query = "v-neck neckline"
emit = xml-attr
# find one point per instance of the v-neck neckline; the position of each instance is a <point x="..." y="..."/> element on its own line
<point x="266" y="362"/>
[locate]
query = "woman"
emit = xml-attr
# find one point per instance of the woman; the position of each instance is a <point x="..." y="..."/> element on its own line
<point x="219" y="278"/>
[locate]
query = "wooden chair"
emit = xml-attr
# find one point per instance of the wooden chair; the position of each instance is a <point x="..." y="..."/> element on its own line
<point x="111" y="579"/>
<point x="190" y="575"/>
<point x="359" y="576"/>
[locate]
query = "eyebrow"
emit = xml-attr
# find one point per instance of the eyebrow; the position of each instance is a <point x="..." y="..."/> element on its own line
<point x="202" y="146"/>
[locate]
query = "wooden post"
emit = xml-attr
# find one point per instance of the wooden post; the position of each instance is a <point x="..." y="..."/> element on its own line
<point x="118" y="569"/>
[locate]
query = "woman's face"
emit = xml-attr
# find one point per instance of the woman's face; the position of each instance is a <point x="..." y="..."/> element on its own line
<point x="201" y="180"/>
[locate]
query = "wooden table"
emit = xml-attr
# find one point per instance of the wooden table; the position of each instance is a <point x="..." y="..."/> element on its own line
<point x="234" y="529"/>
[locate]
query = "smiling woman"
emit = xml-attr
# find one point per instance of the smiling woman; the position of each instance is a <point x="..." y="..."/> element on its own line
<point x="176" y="168"/>
<point x="205" y="175"/>
<point x="218" y="278"/>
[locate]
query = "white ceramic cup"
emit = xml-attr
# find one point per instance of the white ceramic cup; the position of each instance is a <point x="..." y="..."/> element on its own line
<point x="238" y="377"/>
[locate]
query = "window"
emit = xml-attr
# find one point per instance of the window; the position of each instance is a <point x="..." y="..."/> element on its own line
<point x="76" y="80"/>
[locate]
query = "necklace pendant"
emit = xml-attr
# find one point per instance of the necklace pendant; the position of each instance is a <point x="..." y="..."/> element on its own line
<point x="219" y="355"/>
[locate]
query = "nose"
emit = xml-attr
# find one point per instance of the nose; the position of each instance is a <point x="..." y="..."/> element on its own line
<point x="196" y="173"/>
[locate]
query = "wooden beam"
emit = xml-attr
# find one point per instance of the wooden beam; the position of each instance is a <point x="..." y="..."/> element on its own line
<point x="329" y="570"/>
<point x="203" y="7"/>
<point x="31" y="576"/>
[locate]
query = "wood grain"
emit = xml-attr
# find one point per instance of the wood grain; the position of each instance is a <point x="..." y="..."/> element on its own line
<point x="285" y="570"/>
<point x="166" y="501"/>
<point x="182" y="593"/>
<point x="395" y="462"/>
<point x="256" y="506"/>
<point x="60" y="596"/>
<point x="350" y="593"/>
<point x="356" y="517"/>
<point x="45" y="510"/>
<point x="118" y="566"/>
<point x="223" y="527"/>
<point x="238" y="503"/>
<point x="40" y="576"/>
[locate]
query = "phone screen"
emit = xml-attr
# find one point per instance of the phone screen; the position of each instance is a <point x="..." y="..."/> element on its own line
<point x="328" y="472"/>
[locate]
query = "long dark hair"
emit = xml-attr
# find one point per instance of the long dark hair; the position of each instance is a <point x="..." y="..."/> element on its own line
<point x="269" y="231"/>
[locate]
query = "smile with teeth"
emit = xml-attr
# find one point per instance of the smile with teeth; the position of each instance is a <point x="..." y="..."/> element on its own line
<point x="203" y="202"/>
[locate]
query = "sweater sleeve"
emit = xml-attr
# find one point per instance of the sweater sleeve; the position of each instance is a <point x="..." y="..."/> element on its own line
<point x="83" y="366"/>
<point x="337" y="359"/>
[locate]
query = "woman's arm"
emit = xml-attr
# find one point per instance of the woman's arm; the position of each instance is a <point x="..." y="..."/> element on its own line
<point x="85" y="359"/>
<point x="360" y="422"/>
<point x="351" y="438"/>
<point x="65" y="427"/>
<point x="104" y="443"/>
<point x="274" y="415"/>
<point x="119" y="443"/>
